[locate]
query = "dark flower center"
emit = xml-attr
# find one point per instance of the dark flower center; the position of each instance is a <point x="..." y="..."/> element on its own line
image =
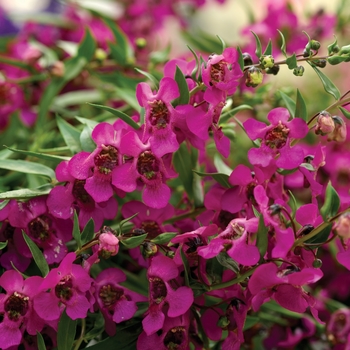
<point x="106" y="160"/>
<point x="235" y="232"/>
<point x="159" y="115"/>
<point x="175" y="338"/>
<point x="158" y="289"/>
<point x="277" y="137"/>
<point x="80" y="194"/>
<point x="63" y="289"/>
<point x="147" y="165"/>
<point x="41" y="228"/>
<point x="151" y="228"/>
<point x="110" y="295"/>
<point x="193" y="244"/>
<point x="16" y="306"/>
<point x="8" y="230"/>
<point x="225" y="218"/>
<point x="217" y="72"/>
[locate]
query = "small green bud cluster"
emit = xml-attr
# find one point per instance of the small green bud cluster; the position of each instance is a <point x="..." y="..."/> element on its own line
<point x="254" y="77"/>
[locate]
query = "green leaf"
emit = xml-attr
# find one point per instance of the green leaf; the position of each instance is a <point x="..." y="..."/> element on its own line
<point x="133" y="242"/>
<point x="74" y="98"/>
<point x="262" y="237"/>
<point x="196" y="68"/>
<point x="203" y="41"/>
<point x="37" y="255"/>
<point x="87" y="47"/>
<point x="227" y="115"/>
<point x="327" y="83"/>
<point x="66" y="332"/>
<point x="290" y="104"/>
<point x="17" y="63"/>
<point x="76" y="231"/>
<point x="345" y="112"/>
<point x="225" y="260"/>
<point x="71" y="135"/>
<point x="331" y="204"/>
<point x="183" y="88"/>
<point x="222" y="43"/>
<point x="128" y="120"/>
<point x="334" y="60"/>
<point x="122" y="51"/>
<point x="3" y="204"/>
<point x="300" y="108"/>
<point x="164" y="238"/>
<point x="250" y="321"/>
<point x="283" y="45"/>
<point x="89" y="122"/>
<point x="88" y="232"/>
<point x="292" y="62"/>
<point x="186" y="267"/>
<point x="183" y="166"/>
<point x="150" y="77"/>
<point x="268" y="50"/>
<point x="87" y="144"/>
<point x="221" y="166"/>
<point x="222" y="179"/>
<point x="198" y="193"/>
<point x="44" y="156"/>
<point x="331" y="47"/>
<point x="258" y="50"/>
<point x="321" y="237"/>
<point x="129" y="97"/>
<point x="3" y="245"/>
<point x="240" y="58"/>
<point x="26" y="193"/>
<point x="23" y="166"/>
<point x="308" y="166"/>
<point x="40" y="341"/>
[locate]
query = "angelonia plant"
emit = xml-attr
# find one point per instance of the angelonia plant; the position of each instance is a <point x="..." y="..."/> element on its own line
<point x="150" y="200"/>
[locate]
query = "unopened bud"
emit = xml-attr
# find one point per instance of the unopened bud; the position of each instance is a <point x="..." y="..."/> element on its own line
<point x="273" y="70"/>
<point x="57" y="69"/>
<point x="342" y="226"/>
<point x="141" y="43"/>
<point x="320" y="63"/>
<point x="254" y="77"/>
<point x="100" y="54"/>
<point x="223" y="322"/>
<point x="339" y="133"/>
<point x="299" y="71"/>
<point x="325" y="124"/>
<point x="149" y="249"/>
<point x="315" y="45"/>
<point x="317" y="263"/>
<point x="247" y="59"/>
<point x="275" y="209"/>
<point x="108" y="245"/>
<point x="267" y="61"/>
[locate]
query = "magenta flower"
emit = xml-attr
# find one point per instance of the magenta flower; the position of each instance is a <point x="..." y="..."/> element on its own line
<point x="11" y="97"/>
<point x="64" y="286"/>
<point x="97" y="168"/>
<point x="144" y="168"/>
<point x="276" y="139"/>
<point x="48" y="232"/>
<point x="284" y="286"/>
<point x="16" y="308"/>
<point x="159" y="115"/>
<point x="223" y="71"/>
<point x="174" y="335"/>
<point x="160" y="273"/>
<point x="116" y="302"/>
<point x="234" y="240"/>
<point x="62" y="200"/>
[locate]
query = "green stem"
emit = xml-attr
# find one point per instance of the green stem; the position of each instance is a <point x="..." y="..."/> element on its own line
<point x="86" y="246"/>
<point x="318" y="229"/>
<point x="236" y="280"/>
<point x="199" y="87"/>
<point x="82" y="333"/>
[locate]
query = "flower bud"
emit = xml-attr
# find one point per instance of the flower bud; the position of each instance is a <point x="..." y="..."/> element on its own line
<point x="247" y="59"/>
<point x="223" y="322"/>
<point x="149" y="249"/>
<point x="100" y="54"/>
<point x="339" y="133"/>
<point x="325" y="124"/>
<point x="299" y="71"/>
<point x="317" y="263"/>
<point x="254" y="77"/>
<point x="267" y="61"/>
<point x="108" y="245"/>
<point x="141" y="43"/>
<point x="57" y="69"/>
<point x="273" y="70"/>
<point x="342" y="226"/>
<point x="315" y="45"/>
<point x="320" y="63"/>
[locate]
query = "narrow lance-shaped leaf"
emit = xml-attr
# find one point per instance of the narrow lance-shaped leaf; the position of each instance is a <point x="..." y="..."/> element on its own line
<point x="76" y="231"/>
<point x="327" y="83"/>
<point x="164" y="238"/>
<point x="345" y="112"/>
<point x="262" y="237"/>
<point x="44" y="156"/>
<point x="258" y="50"/>
<point x="3" y="245"/>
<point x="128" y="120"/>
<point x="70" y="134"/>
<point x="283" y="45"/>
<point x="26" y="167"/>
<point x="40" y="341"/>
<point x="183" y="88"/>
<point x="268" y="50"/>
<point x="240" y="58"/>
<point x="331" y="204"/>
<point x="27" y="192"/>
<point x="88" y="232"/>
<point x="227" y="115"/>
<point x="289" y="102"/>
<point x="133" y="242"/>
<point x="150" y="77"/>
<point x="300" y="108"/>
<point x="66" y="332"/>
<point x="37" y="255"/>
<point x="222" y="42"/>
<point x="222" y="179"/>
